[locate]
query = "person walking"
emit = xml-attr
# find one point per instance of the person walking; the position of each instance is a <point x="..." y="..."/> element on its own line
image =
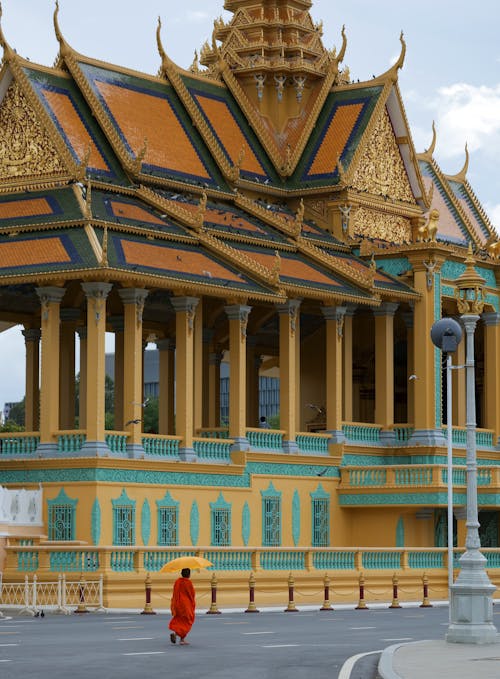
<point x="182" y="608"/>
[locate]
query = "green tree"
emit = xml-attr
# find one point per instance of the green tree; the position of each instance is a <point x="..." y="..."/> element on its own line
<point x="150" y="416"/>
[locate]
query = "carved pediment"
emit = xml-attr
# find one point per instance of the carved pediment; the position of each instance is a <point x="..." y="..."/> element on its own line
<point x="25" y="148"/>
<point x="380" y="169"/>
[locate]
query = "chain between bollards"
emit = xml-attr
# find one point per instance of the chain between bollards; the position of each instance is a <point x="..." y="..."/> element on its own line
<point x="425" y="584"/>
<point x="326" y="603"/>
<point x="361" y="603"/>
<point x="395" y="600"/>
<point x="148" y="608"/>
<point x="291" y="603"/>
<point x="213" y="610"/>
<point x="252" y="608"/>
<point x="81" y="608"/>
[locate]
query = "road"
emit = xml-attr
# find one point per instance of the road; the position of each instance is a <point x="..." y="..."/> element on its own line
<point x="301" y="645"/>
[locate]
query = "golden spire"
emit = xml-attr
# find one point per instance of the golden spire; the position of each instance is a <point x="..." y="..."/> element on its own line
<point x="63" y="45"/>
<point x="8" y="52"/>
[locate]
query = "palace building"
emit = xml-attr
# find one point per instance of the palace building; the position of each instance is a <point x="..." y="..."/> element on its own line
<point x="263" y="207"/>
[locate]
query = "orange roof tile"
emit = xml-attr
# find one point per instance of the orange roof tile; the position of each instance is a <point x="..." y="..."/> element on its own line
<point x="33" y="207"/>
<point x="294" y="268"/>
<point x="229" y="133"/>
<point x="129" y="211"/>
<point x="74" y="129"/>
<point x="168" y="259"/>
<point x="143" y="116"/>
<point x="31" y="252"/>
<point x="335" y="138"/>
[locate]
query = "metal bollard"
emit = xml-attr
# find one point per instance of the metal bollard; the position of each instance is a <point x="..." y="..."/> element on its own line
<point x="361" y="603"/>
<point x="326" y="603"/>
<point x="291" y="603"/>
<point x="213" y="610"/>
<point x="425" y="583"/>
<point x="252" y="608"/>
<point x="81" y="595"/>
<point x="395" y="600"/>
<point x="148" y="608"/>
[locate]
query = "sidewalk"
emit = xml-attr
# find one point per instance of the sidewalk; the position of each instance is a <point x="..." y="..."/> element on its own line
<point x="440" y="660"/>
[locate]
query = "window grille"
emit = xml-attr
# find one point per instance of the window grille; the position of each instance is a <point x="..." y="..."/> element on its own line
<point x="321" y="522"/>
<point x="124" y="525"/>
<point x="167" y="526"/>
<point x="221" y="527"/>
<point x="271" y="511"/>
<point x="61" y="522"/>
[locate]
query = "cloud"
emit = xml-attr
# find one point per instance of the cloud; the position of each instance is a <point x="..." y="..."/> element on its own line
<point x="493" y="212"/>
<point x="197" y="16"/>
<point x="467" y="113"/>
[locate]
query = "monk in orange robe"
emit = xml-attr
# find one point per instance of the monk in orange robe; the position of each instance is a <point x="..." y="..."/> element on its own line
<point x="182" y="607"/>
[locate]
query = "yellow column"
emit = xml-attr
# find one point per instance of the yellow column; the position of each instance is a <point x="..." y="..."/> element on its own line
<point x="459" y="398"/>
<point x="238" y="319"/>
<point x="289" y="347"/>
<point x="32" y="400"/>
<point x="96" y="294"/>
<point x="166" y="348"/>
<point x="82" y="400"/>
<point x="347" y="363"/>
<point x="198" y="368"/>
<point x="50" y="299"/>
<point x="384" y="367"/>
<point x="185" y="312"/>
<point x="253" y="365"/>
<point x="491" y="373"/>
<point x="410" y="367"/>
<point x="208" y="335"/>
<point x="117" y="323"/>
<point x="335" y="320"/>
<point x="426" y="266"/>
<point x="133" y="304"/>
<point x="214" y="361"/>
<point x="69" y="317"/>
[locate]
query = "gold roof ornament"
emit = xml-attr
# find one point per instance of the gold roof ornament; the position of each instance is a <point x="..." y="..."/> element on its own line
<point x="470" y="287"/>
<point x="8" y="52"/>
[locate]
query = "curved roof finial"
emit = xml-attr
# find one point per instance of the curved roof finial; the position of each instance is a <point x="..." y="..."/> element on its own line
<point x="161" y="49"/>
<point x="461" y="176"/>
<point x="392" y="72"/>
<point x="432" y="147"/>
<point x="8" y="52"/>
<point x="399" y="63"/>
<point x="63" y="45"/>
<point x="341" y="55"/>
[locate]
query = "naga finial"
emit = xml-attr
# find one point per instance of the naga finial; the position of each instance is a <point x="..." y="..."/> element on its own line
<point x="8" y="52"/>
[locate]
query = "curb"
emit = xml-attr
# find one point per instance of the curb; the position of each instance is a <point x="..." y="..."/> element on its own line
<point x="385" y="664"/>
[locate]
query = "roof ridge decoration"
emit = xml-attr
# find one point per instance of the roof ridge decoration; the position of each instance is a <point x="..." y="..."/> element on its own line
<point x="8" y="53"/>
<point x="249" y="205"/>
<point x="392" y="73"/>
<point x="461" y="176"/>
<point x="337" y="265"/>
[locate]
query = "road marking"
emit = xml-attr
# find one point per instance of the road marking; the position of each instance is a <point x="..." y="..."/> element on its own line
<point x="2" y="645"/>
<point x="136" y="639"/>
<point x="5" y="660"/>
<point x="146" y="653"/>
<point x="346" y="669"/>
<point x="362" y="628"/>
<point x="281" y="646"/>
<point x="9" y="632"/>
<point x="248" y="633"/>
<point x="400" y="639"/>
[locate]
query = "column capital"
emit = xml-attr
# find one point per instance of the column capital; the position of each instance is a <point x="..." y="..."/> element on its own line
<point x="334" y="313"/>
<point x="492" y="318"/>
<point x="291" y="306"/>
<point x="386" y="309"/>
<point x="184" y="303"/>
<point x="237" y="312"/>
<point x="350" y="309"/>
<point x="96" y="289"/>
<point x="32" y="334"/>
<point x="133" y="295"/>
<point x="50" y="293"/>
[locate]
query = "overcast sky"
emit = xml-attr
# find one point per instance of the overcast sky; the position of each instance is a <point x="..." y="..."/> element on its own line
<point x="451" y="73"/>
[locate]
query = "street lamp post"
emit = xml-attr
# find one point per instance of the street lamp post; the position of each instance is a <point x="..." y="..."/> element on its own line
<point x="471" y="606"/>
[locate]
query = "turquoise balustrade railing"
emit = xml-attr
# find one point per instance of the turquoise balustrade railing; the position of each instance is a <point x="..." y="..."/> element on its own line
<point x="381" y="560"/>
<point x="484" y="438"/>
<point x="27" y="561"/>
<point x="70" y="441"/>
<point x="315" y="444"/>
<point x="282" y="561"/>
<point x="213" y="433"/>
<point x="230" y="561"/>
<point x="117" y="442"/>
<point x="65" y="562"/>
<point x="122" y="561"/>
<point x="425" y="560"/>
<point x="484" y="476"/>
<point x="18" y="445"/>
<point x="409" y="476"/>
<point x="213" y="450"/>
<point x="361" y="433"/>
<point x="492" y="559"/>
<point x="153" y="561"/>
<point x="265" y="439"/>
<point x="161" y="446"/>
<point x="402" y="434"/>
<point x="368" y="477"/>
<point x="334" y="560"/>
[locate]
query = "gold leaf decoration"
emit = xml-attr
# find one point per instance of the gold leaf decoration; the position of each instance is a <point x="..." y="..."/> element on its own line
<point x="374" y="224"/>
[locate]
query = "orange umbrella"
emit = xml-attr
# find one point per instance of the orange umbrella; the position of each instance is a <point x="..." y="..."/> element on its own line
<point x="185" y="562"/>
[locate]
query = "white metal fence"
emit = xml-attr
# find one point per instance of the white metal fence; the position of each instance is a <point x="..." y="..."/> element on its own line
<point x="59" y="596"/>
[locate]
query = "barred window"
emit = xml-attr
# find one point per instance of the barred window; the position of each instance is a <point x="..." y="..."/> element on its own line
<point x="61" y="522"/>
<point x="167" y="525"/>
<point x="321" y="522"/>
<point x="221" y="527"/>
<point x="271" y="530"/>
<point x="124" y="525"/>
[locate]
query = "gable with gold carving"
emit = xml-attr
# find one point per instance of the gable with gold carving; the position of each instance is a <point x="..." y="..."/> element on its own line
<point x="380" y="169"/>
<point x="25" y="148"/>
